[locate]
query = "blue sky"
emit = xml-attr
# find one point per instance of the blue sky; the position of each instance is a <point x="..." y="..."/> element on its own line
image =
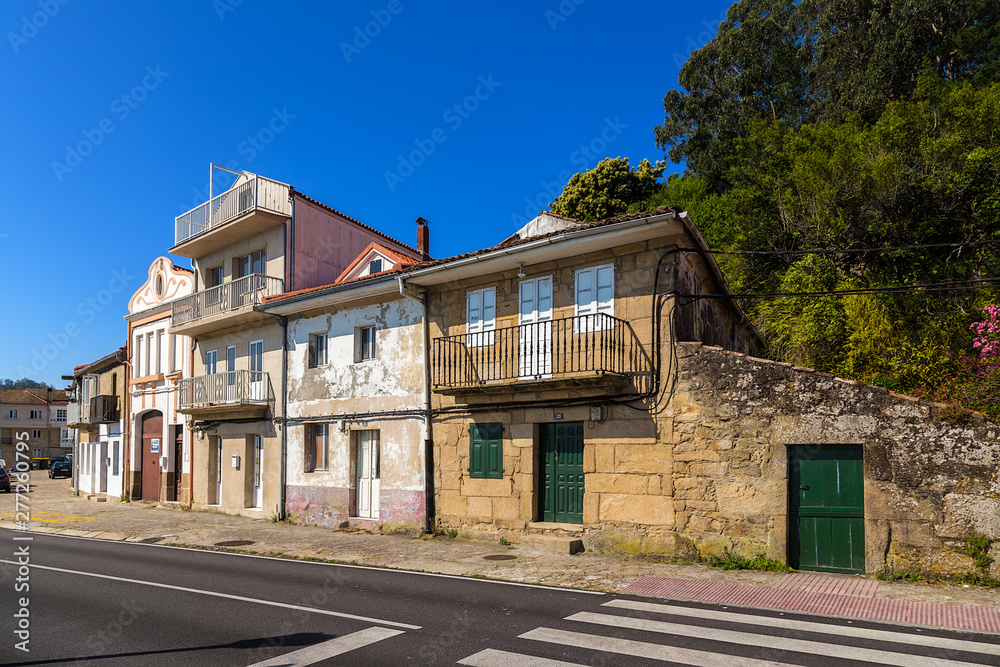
<point x="472" y="116"/>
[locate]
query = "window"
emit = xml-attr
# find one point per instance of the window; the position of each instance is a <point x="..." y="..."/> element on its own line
<point x="480" y="316"/>
<point x="36" y="414"/>
<point x="114" y="384"/>
<point x="213" y="276"/>
<point x="176" y="353"/>
<point x="37" y="453"/>
<point x="211" y="362"/>
<point x="374" y="266"/>
<point x="366" y="343"/>
<point x="36" y="433"/>
<point x="595" y="297"/>
<point x="11" y="414"/>
<point x="149" y="356"/>
<point x="60" y="415"/>
<point x="486" y="450"/>
<point x="114" y="461"/>
<point x="255" y="262"/>
<point x="317" y="350"/>
<point x="137" y="356"/>
<point x="159" y="357"/>
<point x="317" y="446"/>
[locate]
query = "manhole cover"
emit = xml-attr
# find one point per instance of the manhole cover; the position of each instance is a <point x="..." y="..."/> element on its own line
<point x="234" y="543"/>
<point x="152" y="540"/>
<point x="499" y="557"/>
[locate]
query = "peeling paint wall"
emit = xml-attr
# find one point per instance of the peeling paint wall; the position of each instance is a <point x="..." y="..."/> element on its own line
<point x="392" y="381"/>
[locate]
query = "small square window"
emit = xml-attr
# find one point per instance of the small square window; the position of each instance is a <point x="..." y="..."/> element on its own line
<point x="36" y="414"/>
<point x="36" y="433"/>
<point x="365" y="343"/>
<point x="374" y="266"/>
<point x="318" y="350"/>
<point x="60" y="415"/>
<point x="11" y="414"/>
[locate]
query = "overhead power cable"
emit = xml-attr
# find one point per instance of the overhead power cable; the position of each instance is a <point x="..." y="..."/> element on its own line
<point x="954" y="285"/>
<point x="842" y="251"/>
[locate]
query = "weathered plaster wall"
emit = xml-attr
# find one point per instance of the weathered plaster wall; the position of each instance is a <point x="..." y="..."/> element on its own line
<point x="928" y="482"/>
<point x="392" y="381"/>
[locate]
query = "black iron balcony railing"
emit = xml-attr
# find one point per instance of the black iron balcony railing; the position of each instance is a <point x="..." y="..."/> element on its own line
<point x="227" y="297"/>
<point x="572" y="347"/>
<point x="103" y="409"/>
<point x="232" y="388"/>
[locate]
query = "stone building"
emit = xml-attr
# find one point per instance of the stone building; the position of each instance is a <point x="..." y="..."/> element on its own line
<point x="37" y="417"/>
<point x="548" y="359"/>
<point x="824" y="473"/>
<point x="98" y="391"/>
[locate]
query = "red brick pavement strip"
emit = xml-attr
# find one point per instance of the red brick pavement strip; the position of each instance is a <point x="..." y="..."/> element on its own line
<point x="829" y="583"/>
<point x="982" y="619"/>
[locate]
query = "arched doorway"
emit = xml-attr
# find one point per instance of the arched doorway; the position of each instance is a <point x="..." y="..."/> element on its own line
<point x="152" y="449"/>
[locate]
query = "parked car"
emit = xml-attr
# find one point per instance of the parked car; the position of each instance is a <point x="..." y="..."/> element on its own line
<point x="61" y="469"/>
<point x="4" y="479"/>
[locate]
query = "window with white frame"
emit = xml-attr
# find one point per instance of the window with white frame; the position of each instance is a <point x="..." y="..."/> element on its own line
<point x="365" y="343"/>
<point x="375" y="266"/>
<point x="10" y="414"/>
<point x="60" y="415"/>
<point x="37" y="453"/>
<point x="211" y="362"/>
<point x="36" y="414"/>
<point x="480" y="316"/>
<point x="595" y="297"/>
<point x="317" y="350"/>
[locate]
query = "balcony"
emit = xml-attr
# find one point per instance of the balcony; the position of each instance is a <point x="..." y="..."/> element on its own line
<point x="103" y="410"/>
<point x="252" y="205"/>
<point x="597" y="351"/>
<point x="223" y="305"/>
<point x="230" y="395"/>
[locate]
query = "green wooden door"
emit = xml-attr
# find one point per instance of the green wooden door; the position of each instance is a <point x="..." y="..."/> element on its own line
<point x="562" y="476"/>
<point x="827" y="517"/>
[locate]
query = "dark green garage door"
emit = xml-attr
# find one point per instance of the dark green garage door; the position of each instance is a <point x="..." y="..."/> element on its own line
<point x="562" y="475"/>
<point x="827" y="517"/>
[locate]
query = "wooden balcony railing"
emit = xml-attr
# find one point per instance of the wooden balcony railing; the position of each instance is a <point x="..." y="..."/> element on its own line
<point x="246" y="291"/>
<point x="103" y="410"/>
<point x="572" y="347"/>
<point x="256" y="193"/>
<point x="232" y="388"/>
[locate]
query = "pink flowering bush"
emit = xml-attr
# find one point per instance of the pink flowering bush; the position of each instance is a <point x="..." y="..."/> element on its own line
<point x="976" y="383"/>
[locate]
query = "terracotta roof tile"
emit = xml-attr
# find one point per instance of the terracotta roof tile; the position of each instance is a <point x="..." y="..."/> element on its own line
<point x="32" y="396"/>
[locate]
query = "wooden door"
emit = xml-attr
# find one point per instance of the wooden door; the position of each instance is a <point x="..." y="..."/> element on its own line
<point x="562" y="476"/>
<point x="152" y="433"/>
<point x="826" y="518"/>
<point x="369" y="474"/>
<point x="178" y="460"/>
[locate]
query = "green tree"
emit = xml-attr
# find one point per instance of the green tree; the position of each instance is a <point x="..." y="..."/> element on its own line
<point x="819" y="61"/>
<point x="608" y="189"/>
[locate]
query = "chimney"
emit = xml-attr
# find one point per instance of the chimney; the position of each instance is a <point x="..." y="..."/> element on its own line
<point x="48" y="395"/>
<point x="423" y="240"/>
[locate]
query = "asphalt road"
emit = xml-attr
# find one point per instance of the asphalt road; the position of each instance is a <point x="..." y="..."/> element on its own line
<point x="114" y="603"/>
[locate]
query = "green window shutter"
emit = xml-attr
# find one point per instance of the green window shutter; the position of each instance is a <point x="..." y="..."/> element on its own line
<point x="486" y="450"/>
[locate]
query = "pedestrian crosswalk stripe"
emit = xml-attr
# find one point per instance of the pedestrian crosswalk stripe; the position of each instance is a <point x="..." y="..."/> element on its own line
<point x="839" y="651"/>
<point x="310" y="655"/>
<point x="492" y="657"/>
<point x="807" y="626"/>
<point x="640" y="649"/>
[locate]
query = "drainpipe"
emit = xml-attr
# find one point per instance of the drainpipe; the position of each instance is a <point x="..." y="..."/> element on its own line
<point x="283" y="476"/>
<point x="428" y="433"/>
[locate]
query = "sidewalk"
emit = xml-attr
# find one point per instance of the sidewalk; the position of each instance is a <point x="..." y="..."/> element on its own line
<point x="54" y="510"/>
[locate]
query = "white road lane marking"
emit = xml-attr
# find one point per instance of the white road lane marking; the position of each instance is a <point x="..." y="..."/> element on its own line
<point x="327" y="612"/>
<point x="807" y="626"/>
<point x="766" y="641"/>
<point x="644" y="649"/>
<point x="492" y="657"/>
<point x="310" y="655"/>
